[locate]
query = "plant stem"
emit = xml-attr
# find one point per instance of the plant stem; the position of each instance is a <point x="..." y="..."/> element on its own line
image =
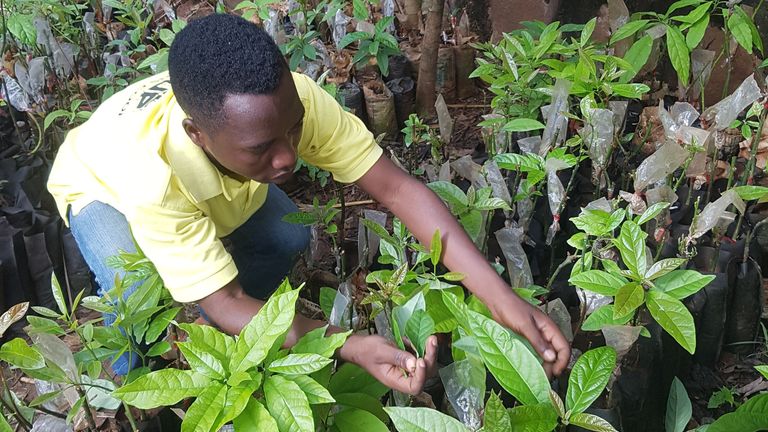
<point x="746" y="176"/>
<point x="87" y="408"/>
<point x="568" y="260"/>
<point x="129" y="416"/>
<point x="13" y="407"/>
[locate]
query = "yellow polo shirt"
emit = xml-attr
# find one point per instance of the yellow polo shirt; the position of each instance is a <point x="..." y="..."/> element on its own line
<point x="134" y="155"/>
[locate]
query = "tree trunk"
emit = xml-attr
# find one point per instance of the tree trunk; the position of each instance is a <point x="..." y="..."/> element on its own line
<point x="425" y="87"/>
<point x="412" y="15"/>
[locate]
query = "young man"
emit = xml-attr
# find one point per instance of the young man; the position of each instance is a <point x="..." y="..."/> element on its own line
<point x="186" y="158"/>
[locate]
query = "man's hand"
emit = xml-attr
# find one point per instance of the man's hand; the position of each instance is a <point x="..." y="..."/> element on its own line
<point x="396" y="369"/>
<point x="538" y="328"/>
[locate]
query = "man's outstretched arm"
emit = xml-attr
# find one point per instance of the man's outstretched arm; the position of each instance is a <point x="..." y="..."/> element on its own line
<point x="423" y="213"/>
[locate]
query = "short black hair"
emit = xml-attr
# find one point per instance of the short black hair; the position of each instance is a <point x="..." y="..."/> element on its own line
<point x="220" y="55"/>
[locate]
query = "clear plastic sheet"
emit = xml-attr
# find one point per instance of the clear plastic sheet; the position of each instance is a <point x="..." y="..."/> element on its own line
<point x="340" y="21"/>
<point x="56" y="351"/>
<point x="660" y="164"/>
<point x="470" y="170"/>
<point x="496" y="181"/>
<point x="723" y="113"/>
<point x="524" y="209"/>
<point x="714" y="211"/>
<point x="495" y="135"/>
<point x="530" y="145"/>
<point x="558" y="312"/>
<point x="557" y="122"/>
<point x="621" y="338"/>
<point x="701" y="69"/>
<point x="699" y="137"/>
<point x="659" y="194"/>
<point x="444" y="119"/>
<point x="592" y="301"/>
<point x="598" y="134"/>
<point x="367" y="240"/>
<point x="383" y="326"/>
<point x="602" y="204"/>
<point x="464" y="383"/>
<point x="388" y="10"/>
<point x="684" y="113"/>
<point x="31" y="78"/>
<point x="340" y="314"/>
<point x="510" y="241"/>
<point x="444" y="174"/>
<point x="636" y="203"/>
<point x="16" y="95"/>
<point x="89" y="25"/>
<point x="555" y="194"/>
<point x="619" y="109"/>
<point x="49" y="423"/>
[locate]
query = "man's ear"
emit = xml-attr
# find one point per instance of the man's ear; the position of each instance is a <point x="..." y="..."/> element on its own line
<point x="194" y="132"/>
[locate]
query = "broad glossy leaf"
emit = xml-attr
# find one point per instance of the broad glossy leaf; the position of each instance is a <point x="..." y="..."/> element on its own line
<point x="637" y="55"/>
<point x="162" y="388"/>
<point x="495" y="417"/>
<point x="533" y="418"/>
<point x="674" y="317"/>
<point x="589" y="377"/>
<point x="599" y="281"/>
<point x="202" y="414"/>
<point x="738" y="24"/>
<point x="237" y="400"/>
<point x="523" y="125"/>
<point x="749" y="193"/>
<point x="160" y="324"/>
<point x="662" y="267"/>
<point x="680" y="284"/>
<point x="678" y="52"/>
<point x="12" y="315"/>
<point x="627" y="30"/>
<point x="557" y="403"/>
<point x="316" y="394"/>
<point x="756" y="404"/>
<point x="350" y="378"/>
<point x="678" y="408"/>
<point x="423" y="420"/>
<point x="509" y="360"/>
<point x="602" y="317"/>
<point x="202" y="361"/>
<point x="265" y="329"/>
<point x="436" y="248"/>
<point x="750" y="417"/>
<point x="288" y="405"/>
<point x="420" y="326"/>
<point x="651" y="212"/>
<point x="363" y="402"/>
<point x="255" y="418"/>
<point x="629" y="298"/>
<point x="696" y="32"/>
<point x="591" y="422"/>
<point x="299" y="364"/>
<point x="354" y="420"/>
<point x="19" y="354"/>
<point x="763" y="369"/>
<point x="315" y="342"/>
<point x="631" y="244"/>
<point x="449" y="193"/>
<point x="210" y="340"/>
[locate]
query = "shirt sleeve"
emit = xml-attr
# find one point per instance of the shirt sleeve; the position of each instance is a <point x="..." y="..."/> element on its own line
<point x="333" y="139"/>
<point x="185" y="249"/>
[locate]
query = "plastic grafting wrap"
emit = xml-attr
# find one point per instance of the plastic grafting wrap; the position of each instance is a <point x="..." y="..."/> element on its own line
<point x="558" y="312"/>
<point x="530" y="145"/>
<point x="445" y="122"/>
<point x="510" y="241"/>
<point x="701" y="138"/>
<point x="341" y="314"/>
<point x="701" y="68"/>
<point x="340" y="21"/>
<point x="367" y="240"/>
<point x="555" y="194"/>
<point x="621" y="338"/>
<point x="470" y="170"/>
<point x="495" y="135"/>
<point x="723" y="113"/>
<point x="636" y="203"/>
<point x="524" y="209"/>
<point x="464" y="383"/>
<point x="598" y="134"/>
<point x="16" y="95"/>
<point x="683" y="113"/>
<point x="600" y="204"/>
<point x="714" y="211"/>
<point x="273" y="26"/>
<point x="32" y="78"/>
<point x="557" y="122"/>
<point x="660" y="164"/>
<point x="592" y="301"/>
<point x="496" y="180"/>
<point x="619" y="109"/>
<point x="388" y="10"/>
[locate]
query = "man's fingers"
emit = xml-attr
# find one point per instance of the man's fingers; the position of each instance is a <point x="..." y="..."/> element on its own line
<point x="430" y="354"/>
<point x="535" y="333"/>
<point x="403" y="360"/>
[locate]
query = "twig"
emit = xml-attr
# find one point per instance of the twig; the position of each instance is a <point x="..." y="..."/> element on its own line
<point x="303" y="207"/>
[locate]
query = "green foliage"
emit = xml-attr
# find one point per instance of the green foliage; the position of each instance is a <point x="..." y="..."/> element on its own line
<point x="379" y="46"/>
<point x="678" y="408"/>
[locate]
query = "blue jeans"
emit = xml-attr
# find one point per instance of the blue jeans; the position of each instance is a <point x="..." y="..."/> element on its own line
<point x="264" y="249"/>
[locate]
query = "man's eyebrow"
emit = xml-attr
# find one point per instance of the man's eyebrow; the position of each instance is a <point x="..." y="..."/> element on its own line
<point x="258" y="145"/>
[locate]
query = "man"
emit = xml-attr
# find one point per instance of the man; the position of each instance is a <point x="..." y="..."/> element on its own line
<point x="184" y="159"/>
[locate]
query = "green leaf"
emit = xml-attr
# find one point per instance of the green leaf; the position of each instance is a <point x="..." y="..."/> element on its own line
<point x="589" y="377"/>
<point x="673" y="316"/>
<point x="696" y="32"/>
<point x="162" y="388"/>
<point x="22" y="26"/>
<point x="299" y="364"/>
<point x="159" y="348"/>
<point x="681" y="4"/>
<point x="738" y="24"/>
<point x="202" y="361"/>
<point x="75" y="409"/>
<point x="756" y="404"/>
<point x="627" y="30"/>
<point x="721" y="397"/>
<point x="586" y="32"/>
<point x="423" y="420"/>
<point x="255" y="418"/>
<point x="533" y="418"/>
<point x="495" y="417"/>
<point x="591" y="422"/>
<point x="752" y="416"/>
<point x="350" y="378"/>
<point x="288" y="405"/>
<point x="319" y="344"/>
<point x="360" y="9"/>
<point x="353" y="420"/>
<point x="450" y="193"/>
<point x="316" y="394"/>
<point x="599" y="281"/>
<point x="420" y="326"/>
<point x="749" y="193"/>
<point x="652" y="211"/>
<point x="300" y="218"/>
<point x="327" y="297"/>
<point x="58" y="295"/>
<point x="630" y="91"/>
<point x="678" y="53"/>
<point x="436" y="248"/>
<point x="19" y="354"/>
<point x="159" y="324"/>
<point x="637" y="55"/>
<point x="515" y="367"/>
<point x="602" y="317"/>
<point x="12" y="315"/>
<point x="663" y="267"/>
<point x="523" y="125"/>
<point x="680" y="284"/>
<point x="763" y="369"/>
<point x="265" y="329"/>
<point x="363" y="402"/>
<point x="210" y="340"/>
<point x="678" y="408"/>
<point x="203" y="412"/>
<point x="631" y="245"/>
